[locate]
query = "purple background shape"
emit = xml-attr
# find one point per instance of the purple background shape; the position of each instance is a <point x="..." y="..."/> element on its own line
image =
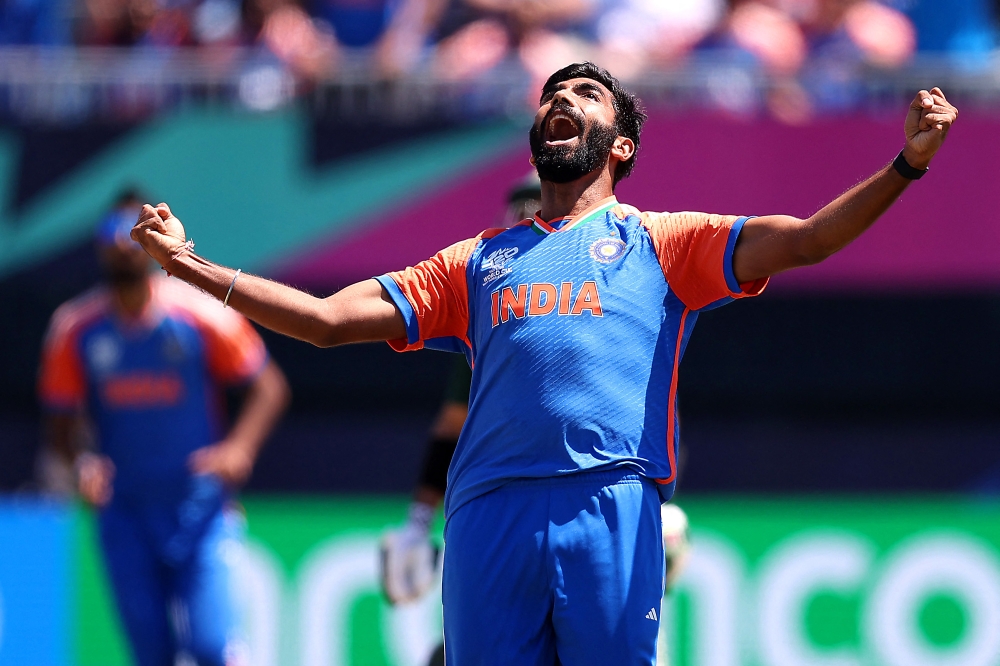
<point x="413" y="231"/>
<point x="942" y="236"/>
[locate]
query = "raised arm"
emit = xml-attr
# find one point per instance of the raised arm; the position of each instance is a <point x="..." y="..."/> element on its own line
<point x="362" y="312"/>
<point x="775" y="243"/>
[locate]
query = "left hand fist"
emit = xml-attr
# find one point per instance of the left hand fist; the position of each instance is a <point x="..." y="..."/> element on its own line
<point x="927" y="124"/>
<point x="227" y="459"/>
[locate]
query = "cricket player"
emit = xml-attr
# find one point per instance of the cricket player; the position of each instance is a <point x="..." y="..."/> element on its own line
<point x="145" y="359"/>
<point x="575" y="323"/>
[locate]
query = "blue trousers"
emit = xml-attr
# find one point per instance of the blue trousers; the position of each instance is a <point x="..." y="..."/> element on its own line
<point x="559" y="571"/>
<point x="173" y="582"/>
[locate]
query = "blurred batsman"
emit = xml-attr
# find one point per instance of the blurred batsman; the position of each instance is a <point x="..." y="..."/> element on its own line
<point x="144" y="361"/>
<point x="575" y="323"/>
<point x="408" y="556"/>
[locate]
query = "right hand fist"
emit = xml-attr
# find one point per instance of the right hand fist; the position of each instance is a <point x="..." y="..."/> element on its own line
<point x="927" y="123"/>
<point x="159" y="233"/>
<point x="94" y="476"/>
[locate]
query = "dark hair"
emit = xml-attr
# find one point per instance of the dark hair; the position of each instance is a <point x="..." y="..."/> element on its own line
<point x="129" y="195"/>
<point x="629" y="114"/>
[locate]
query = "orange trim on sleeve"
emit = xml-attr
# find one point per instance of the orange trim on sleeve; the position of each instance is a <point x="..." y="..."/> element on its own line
<point x="691" y="248"/>
<point x="401" y="345"/>
<point x="672" y="403"/>
<point x="752" y="288"/>
<point x="437" y="290"/>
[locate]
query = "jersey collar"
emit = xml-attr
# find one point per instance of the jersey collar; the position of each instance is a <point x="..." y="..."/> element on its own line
<point x="543" y="228"/>
<point x="152" y="313"/>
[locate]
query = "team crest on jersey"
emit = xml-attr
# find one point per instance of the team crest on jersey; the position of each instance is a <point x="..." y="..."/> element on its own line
<point x="606" y="250"/>
<point x="496" y="263"/>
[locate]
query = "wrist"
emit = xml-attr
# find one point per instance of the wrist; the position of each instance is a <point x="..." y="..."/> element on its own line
<point x="914" y="159"/>
<point x="245" y="447"/>
<point x="177" y="262"/>
<point x="187" y="266"/>
<point x="82" y="460"/>
<point x="176" y="254"/>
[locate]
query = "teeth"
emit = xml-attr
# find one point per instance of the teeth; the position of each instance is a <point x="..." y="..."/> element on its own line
<point x="564" y="116"/>
<point x="559" y="115"/>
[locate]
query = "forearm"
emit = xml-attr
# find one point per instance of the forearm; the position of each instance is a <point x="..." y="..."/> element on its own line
<point x="775" y="243"/>
<point x="272" y="305"/>
<point x="265" y="402"/>
<point x="845" y="218"/>
<point x="362" y="312"/>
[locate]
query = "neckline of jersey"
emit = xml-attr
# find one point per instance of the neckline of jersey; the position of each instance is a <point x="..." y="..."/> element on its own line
<point x="543" y="228"/>
<point x="149" y="318"/>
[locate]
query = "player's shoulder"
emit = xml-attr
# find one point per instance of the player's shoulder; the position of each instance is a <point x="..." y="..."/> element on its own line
<point x="77" y="314"/>
<point x="506" y="232"/>
<point x="623" y="211"/>
<point x="681" y="220"/>
<point x="501" y="234"/>
<point x="470" y="248"/>
<point x="644" y="218"/>
<point x="185" y="302"/>
<point x="501" y="237"/>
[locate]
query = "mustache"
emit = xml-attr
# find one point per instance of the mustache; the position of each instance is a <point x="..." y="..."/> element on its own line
<point x="568" y="110"/>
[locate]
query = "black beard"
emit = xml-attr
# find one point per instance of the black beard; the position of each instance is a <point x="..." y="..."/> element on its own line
<point x="564" y="164"/>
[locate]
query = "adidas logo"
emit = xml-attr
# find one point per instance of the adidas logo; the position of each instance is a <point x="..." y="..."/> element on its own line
<point x="651" y="615"/>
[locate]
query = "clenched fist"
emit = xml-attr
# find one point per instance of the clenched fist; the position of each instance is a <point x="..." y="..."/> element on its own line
<point x="927" y="124"/>
<point x="159" y="233"/>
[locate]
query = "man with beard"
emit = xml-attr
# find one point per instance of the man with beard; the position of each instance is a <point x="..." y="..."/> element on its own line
<point x="145" y="360"/>
<point x="575" y="323"/>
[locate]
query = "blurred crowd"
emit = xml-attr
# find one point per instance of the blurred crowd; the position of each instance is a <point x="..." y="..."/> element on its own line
<point x="796" y="43"/>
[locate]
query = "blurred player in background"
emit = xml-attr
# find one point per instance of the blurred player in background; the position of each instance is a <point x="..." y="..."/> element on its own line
<point x="576" y="322"/>
<point x="408" y="556"/>
<point x="145" y="360"/>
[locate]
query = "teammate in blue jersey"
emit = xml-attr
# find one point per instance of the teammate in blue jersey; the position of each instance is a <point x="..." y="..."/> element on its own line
<point x="574" y="323"/>
<point x="145" y="360"/>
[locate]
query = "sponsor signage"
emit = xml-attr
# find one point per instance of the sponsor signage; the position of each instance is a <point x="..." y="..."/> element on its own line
<point x="782" y="582"/>
<point x="35" y="548"/>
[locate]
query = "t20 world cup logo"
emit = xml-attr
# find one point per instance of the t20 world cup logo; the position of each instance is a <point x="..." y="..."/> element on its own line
<point x="496" y="263"/>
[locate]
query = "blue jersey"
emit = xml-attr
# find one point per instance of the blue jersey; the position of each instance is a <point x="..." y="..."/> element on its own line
<point x="575" y="329"/>
<point x="151" y="386"/>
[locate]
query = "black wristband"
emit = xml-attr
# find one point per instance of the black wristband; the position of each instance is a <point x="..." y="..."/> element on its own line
<point x="904" y="169"/>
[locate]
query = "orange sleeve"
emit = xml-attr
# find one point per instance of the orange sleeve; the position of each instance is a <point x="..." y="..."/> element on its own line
<point x="433" y="296"/>
<point x="233" y="349"/>
<point x="61" y="381"/>
<point x="696" y="254"/>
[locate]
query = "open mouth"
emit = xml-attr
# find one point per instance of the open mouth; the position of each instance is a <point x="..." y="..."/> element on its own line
<point x="561" y="128"/>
